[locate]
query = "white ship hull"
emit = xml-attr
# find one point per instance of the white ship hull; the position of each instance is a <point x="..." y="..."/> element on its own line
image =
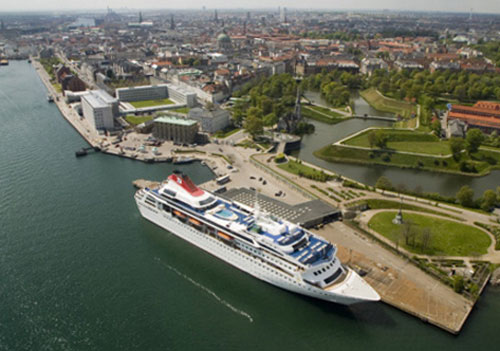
<point x="246" y="262"/>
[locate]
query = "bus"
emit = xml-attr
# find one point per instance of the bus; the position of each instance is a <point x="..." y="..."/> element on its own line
<point x="223" y="180"/>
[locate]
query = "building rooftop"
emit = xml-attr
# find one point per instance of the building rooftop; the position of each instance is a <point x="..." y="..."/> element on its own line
<point x="99" y="98"/>
<point x="175" y="120"/>
<point x="306" y="213"/>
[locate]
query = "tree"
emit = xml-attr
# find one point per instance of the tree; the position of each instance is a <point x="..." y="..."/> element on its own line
<point x="436" y="127"/>
<point x="456" y="147"/>
<point x="270" y="119"/>
<point x="407" y="231"/>
<point x="380" y="138"/>
<point x="253" y="123"/>
<point x="465" y="196"/>
<point x="489" y="200"/>
<point x="473" y="140"/>
<point x="458" y="284"/>
<point x="383" y="183"/>
<point x="372" y="139"/>
<point x="426" y="238"/>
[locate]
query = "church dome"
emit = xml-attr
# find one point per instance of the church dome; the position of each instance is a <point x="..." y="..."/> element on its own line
<point x="223" y="38"/>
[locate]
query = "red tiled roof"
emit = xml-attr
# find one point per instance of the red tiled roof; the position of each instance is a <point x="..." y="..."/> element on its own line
<point x="483" y="121"/>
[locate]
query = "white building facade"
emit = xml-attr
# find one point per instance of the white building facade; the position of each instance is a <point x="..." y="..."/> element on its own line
<point x="210" y="121"/>
<point x="99" y="108"/>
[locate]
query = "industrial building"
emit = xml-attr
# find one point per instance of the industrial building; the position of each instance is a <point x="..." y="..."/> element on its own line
<point x="179" y="130"/>
<point x="210" y="121"/>
<point x="100" y="109"/>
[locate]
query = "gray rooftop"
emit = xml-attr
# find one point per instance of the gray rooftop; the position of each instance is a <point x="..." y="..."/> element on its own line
<point x="99" y="98"/>
<point x="305" y="213"/>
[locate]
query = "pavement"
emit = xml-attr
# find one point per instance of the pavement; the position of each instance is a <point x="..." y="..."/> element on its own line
<point x="399" y="282"/>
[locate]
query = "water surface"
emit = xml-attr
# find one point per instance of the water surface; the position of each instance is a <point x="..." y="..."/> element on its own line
<point x="81" y="270"/>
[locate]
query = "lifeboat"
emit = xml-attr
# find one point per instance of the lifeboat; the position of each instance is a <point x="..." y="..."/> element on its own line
<point x="224" y="236"/>
<point x="194" y="221"/>
<point x="179" y="214"/>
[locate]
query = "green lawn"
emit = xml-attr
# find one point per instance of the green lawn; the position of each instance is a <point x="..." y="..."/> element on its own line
<point x="426" y="147"/>
<point x="334" y="153"/>
<point x="384" y="104"/>
<point x="150" y="103"/>
<point x="329" y="117"/>
<point x="447" y="238"/>
<point x="375" y="204"/>
<point x="324" y="110"/>
<point x="228" y="131"/>
<point x="394" y="136"/>
<point x="184" y="110"/>
<point x="57" y="86"/>
<point x="479" y="163"/>
<point x="302" y="170"/>
<point x="136" y="120"/>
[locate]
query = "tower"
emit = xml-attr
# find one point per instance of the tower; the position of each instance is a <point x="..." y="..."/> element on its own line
<point x="283" y="15"/>
<point x="140" y="16"/>
<point x="172" y="23"/>
<point x="297" y="114"/>
<point x="216" y="17"/>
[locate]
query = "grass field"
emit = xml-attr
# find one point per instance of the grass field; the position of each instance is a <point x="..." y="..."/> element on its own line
<point x="226" y="132"/>
<point x="136" y="120"/>
<point x="57" y="87"/>
<point x="323" y="115"/>
<point x="447" y="238"/>
<point x="402" y="140"/>
<point x="150" y="103"/>
<point x="483" y="161"/>
<point x="375" y="204"/>
<point x="184" y="110"/>
<point x="384" y="104"/>
<point x="304" y="171"/>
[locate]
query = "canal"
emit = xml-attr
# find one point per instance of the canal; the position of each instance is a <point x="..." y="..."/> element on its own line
<point x="446" y="184"/>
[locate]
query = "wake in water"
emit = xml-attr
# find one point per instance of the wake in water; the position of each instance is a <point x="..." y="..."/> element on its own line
<point x="207" y="290"/>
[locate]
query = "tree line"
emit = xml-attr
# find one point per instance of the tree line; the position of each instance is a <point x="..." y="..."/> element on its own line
<point x="335" y="86"/>
<point x="464" y="197"/>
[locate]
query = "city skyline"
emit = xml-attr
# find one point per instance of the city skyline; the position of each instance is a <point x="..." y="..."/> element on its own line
<point x="484" y="6"/>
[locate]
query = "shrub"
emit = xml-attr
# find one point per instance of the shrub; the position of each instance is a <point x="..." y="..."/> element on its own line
<point x="280" y="158"/>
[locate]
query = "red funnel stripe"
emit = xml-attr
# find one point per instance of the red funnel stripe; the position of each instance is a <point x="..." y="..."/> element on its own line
<point x="187" y="184"/>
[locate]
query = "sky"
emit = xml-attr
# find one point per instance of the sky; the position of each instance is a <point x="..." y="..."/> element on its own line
<point x="479" y="6"/>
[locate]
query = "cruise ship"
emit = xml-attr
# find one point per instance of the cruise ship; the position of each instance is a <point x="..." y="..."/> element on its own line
<point x="268" y="248"/>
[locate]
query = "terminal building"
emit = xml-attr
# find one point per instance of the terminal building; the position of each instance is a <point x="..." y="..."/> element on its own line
<point x="179" y="130"/>
<point x="210" y="121"/>
<point x="100" y="109"/>
<point x="157" y="92"/>
<point x="307" y="214"/>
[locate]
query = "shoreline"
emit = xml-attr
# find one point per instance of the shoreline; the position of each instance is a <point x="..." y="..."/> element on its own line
<point x="333" y="159"/>
<point x="90" y="136"/>
<point x="78" y="125"/>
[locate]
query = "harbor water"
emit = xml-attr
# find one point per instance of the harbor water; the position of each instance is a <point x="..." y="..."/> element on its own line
<point x="81" y="270"/>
